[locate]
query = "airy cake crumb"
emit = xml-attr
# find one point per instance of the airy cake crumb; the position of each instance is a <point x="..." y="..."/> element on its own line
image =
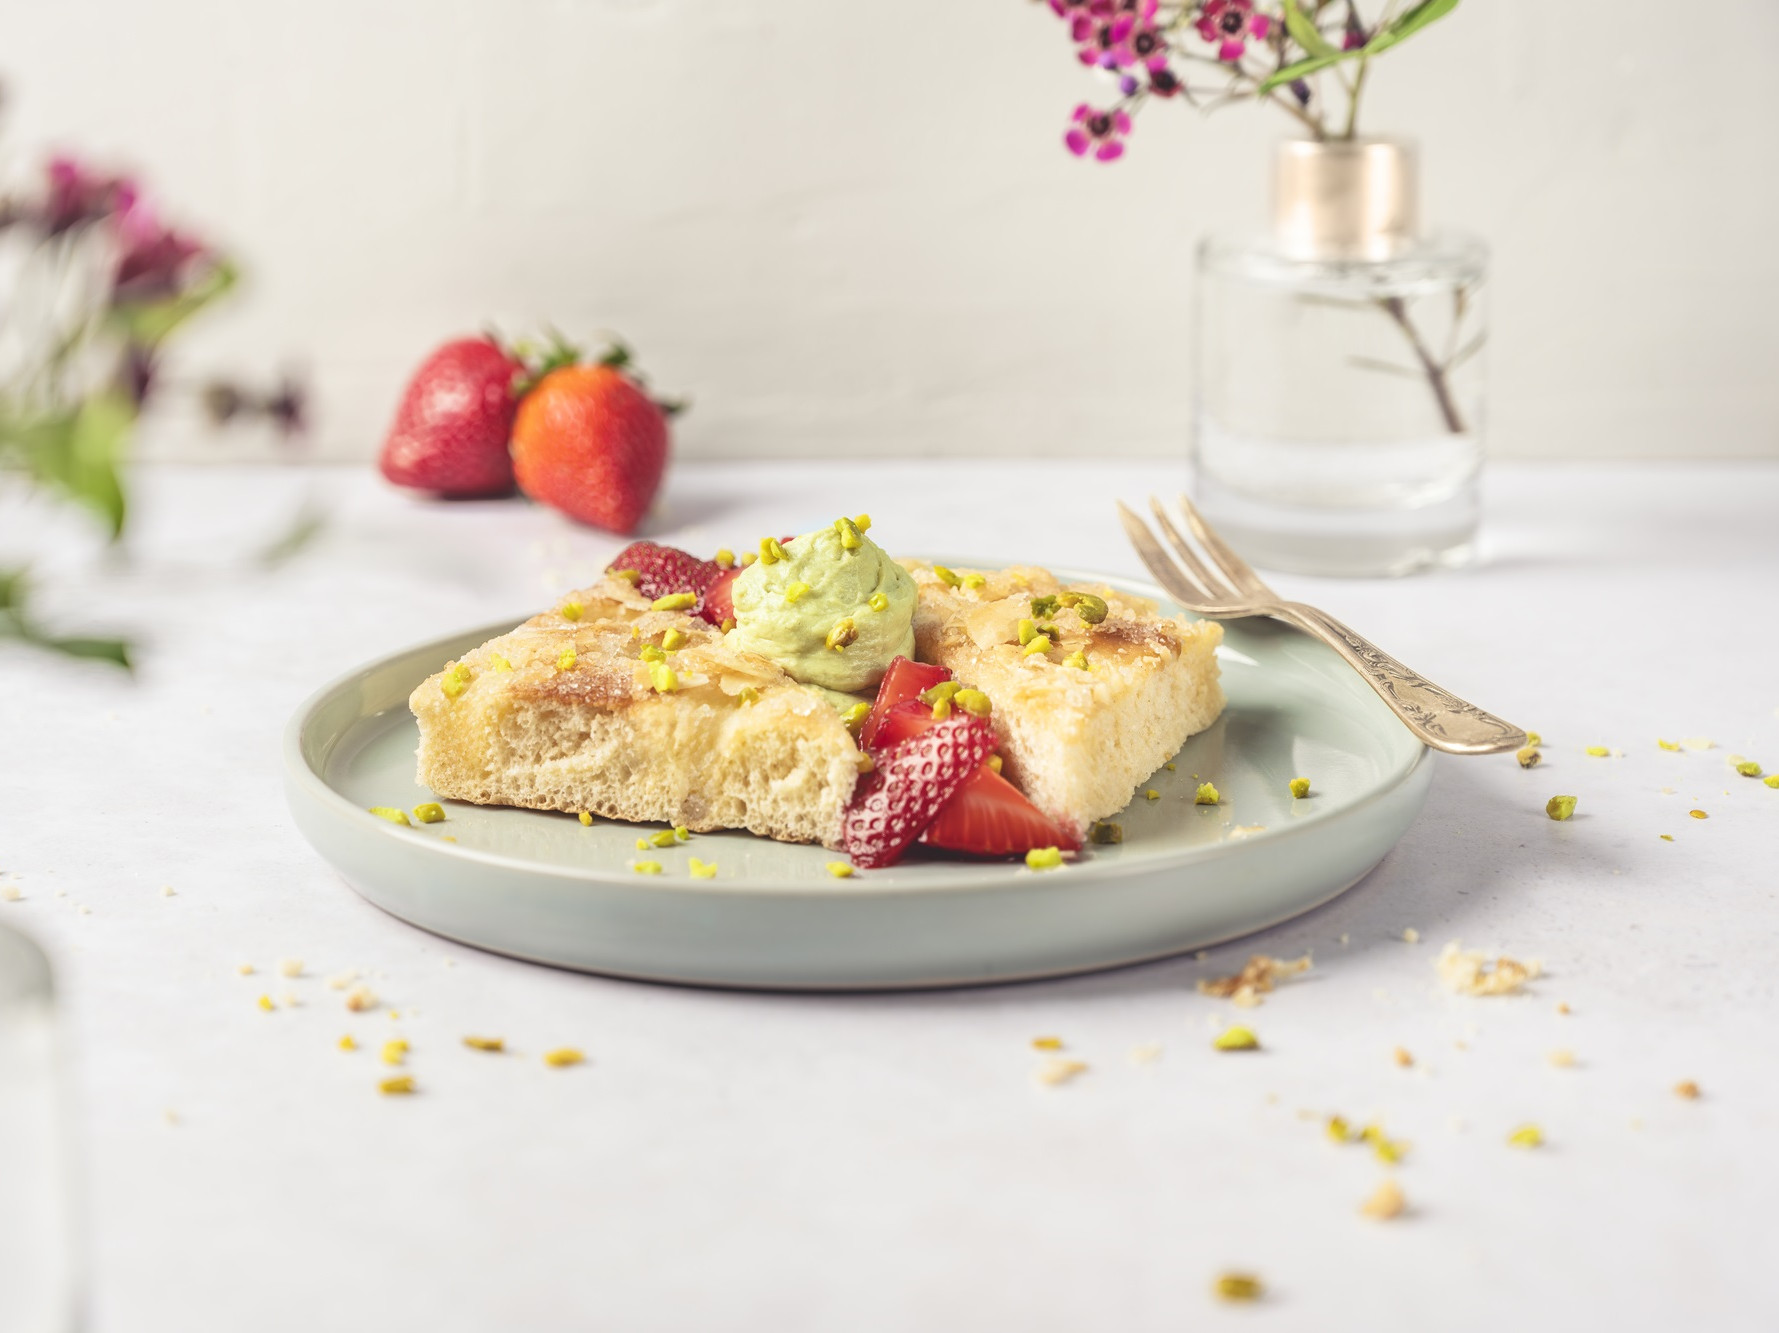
<point x="1056" y="1071"/>
<point x="1467" y="972"/>
<point x="1146" y="1054"/>
<point x="1386" y="1202"/>
<point x="1401" y="1056"/>
<point x="361" y="999"/>
<point x="1411" y="936"/>
<point x="10" y="892"/>
<point x="290" y="967"/>
<point x="1260" y="974"/>
<point x="1687" y="1089"/>
<point x="1561" y="1058"/>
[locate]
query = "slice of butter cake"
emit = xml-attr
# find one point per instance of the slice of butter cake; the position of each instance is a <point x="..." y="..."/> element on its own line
<point x="584" y="708"/>
<point x="1093" y="690"/>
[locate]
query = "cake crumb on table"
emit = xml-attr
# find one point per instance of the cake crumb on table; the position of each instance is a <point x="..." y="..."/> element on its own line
<point x="290" y="967"/>
<point x="1561" y="1058"/>
<point x="1468" y="972"/>
<point x="1386" y="1202"/>
<point x="1687" y="1089"/>
<point x="361" y="999"/>
<point x="1146" y="1054"/>
<point x="1056" y="1071"/>
<point x="1411" y="936"/>
<point x="1402" y="1057"/>
<point x="1259" y="975"/>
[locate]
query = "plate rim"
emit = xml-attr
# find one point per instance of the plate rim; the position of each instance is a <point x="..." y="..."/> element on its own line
<point x="301" y="777"/>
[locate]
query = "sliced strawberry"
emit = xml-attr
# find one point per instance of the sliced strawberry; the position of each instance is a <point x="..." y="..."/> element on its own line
<point x="719" y="598"/>
<point x="911" y="782"/>
<point x="903" y="680"/>
<point x="989" y="816"/>
<point x="666" y="569"/>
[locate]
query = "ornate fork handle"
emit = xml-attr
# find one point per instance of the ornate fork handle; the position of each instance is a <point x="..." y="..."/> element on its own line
<point x="1437" y="716"/>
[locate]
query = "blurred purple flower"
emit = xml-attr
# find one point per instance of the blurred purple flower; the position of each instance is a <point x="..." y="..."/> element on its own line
<point x="1101" y="133"/>
<point x="1228" y="24"/>
<point x="153" y="260"/>
<point x="77" y="195"/>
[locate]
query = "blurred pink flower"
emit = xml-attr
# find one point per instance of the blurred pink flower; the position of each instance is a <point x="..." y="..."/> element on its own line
<point x="1101" y="133"/>
<point x="153" y="260"/>
<point x="77" y="195"/>
<point x="1228" y="24"/>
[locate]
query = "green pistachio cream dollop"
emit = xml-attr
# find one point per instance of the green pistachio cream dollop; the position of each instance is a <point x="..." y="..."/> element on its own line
<point x="832" y="574"/>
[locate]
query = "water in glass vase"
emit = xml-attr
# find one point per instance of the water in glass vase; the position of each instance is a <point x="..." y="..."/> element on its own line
<point x="1338" y="425"/>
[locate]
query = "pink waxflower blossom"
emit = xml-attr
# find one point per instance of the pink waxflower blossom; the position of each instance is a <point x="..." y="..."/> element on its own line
<point x="153" y="260"/>
<point x="1228" y="24"/>
<point x="77" y="195"/>
<point x="1099" y="133"/>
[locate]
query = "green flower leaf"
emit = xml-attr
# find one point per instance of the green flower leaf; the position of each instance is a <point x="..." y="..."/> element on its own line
<point x="77" y="452"/>
<point x="15" y="623"/>
<point x="1305" y="33"/>
<point x="1405" y="26"/>
<point x="149" y="322"/>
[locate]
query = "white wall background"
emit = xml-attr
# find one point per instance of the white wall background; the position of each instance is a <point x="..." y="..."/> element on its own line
<point x="849" y="225"/>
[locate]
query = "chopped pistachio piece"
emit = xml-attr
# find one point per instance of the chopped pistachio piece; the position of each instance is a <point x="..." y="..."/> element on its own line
<point x="1028" y="630"/>
<point x="664" y="838"/>
<point x="1771" y="780"/>
<point x="974" y="702"/>
<point x="1672" y="747"/>
<point x="674" y="640"/>
<point x="748" y="695"/>
<point x="728" y="624"/>
<point x="642" y="844"/>
<point x="646" y="867"/>
<point x="1698" y="814"/>
<point x="1529" y="757"/>
<point x="770" y="551"/>
<point x="1151" y="795"/>
<point x="675" y="601"/>
<point x="681" y="833"/>
<point x="796" y="592"/>
<point x="491" y="1044"/>
<point x="563" y="1057"/>
<point x="499" y="663"/>
<point x="1090" y="608"/>
<point x="1104" y="833"/>
<point x="1041" y="644"/>
<point x="1046" y="1043"/>
<point x="975" y="582"/>
<point x="945" y="576"/>
<point x="1078" y="660"/>
<point x="1526" y="1136"/>
<point x="840" y="870"/>
<point x="630" y="576"/>
<point x="1599" y="751"/>
<point x="347" y="1044"/>
<point x="662" y="678"/>
<point x="878" y="602"/>
<point x="586" y="818"/>
<point x="725" y="558"/>
<point x="855" y="716"/>
<point x="1339" y="1130"/>
<point x="1748" y="768"/>
<point x="1300" y="788"/>
<point x="1043" y="858"/>
<point x="862" y="522"/>
<point x="390" y="813"/>
<point x="401" y="1085"/>
<point x="429" y="812"/>
<point x="995" y="762"/>
<point x="394" y="1052"/>
<point x="849" y="534"/>
<point x="1533" y="738"/>
<point x="1045" y="606"/>
<point x="1560" y="807"/>
<point x="565" y="660"/>
<point x="747" y="558"/>
<point x="455" y="680"/>
<point x="844" y="633"/>
<point x="1237" y="1039"/>
<point x="572" y="610"/>
<point x="701" y="869"/>
<point x="1666" y="837"/>
<point x="652" y="653"/>
<point x="1206" y="794"/>
<point x="1237" y="1287"/>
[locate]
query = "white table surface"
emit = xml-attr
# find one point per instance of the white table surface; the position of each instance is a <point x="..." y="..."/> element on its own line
<point x="780" y="1162"/>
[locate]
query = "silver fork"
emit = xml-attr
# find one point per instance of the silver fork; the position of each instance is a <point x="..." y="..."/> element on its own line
<point x="1220" y="584"/>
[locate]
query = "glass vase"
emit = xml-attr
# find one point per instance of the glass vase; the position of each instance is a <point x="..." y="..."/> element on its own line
<point x="1338" y="424"/>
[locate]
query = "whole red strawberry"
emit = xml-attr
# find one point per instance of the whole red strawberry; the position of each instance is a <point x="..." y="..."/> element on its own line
<point x="589" y="441"/>
<point x="451" y="430"/>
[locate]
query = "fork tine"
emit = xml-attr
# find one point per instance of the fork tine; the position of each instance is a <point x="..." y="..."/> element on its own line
<point x="1221" y="586"/>
<point x="1166" y="572"/>
<point x="1231" y="565"/>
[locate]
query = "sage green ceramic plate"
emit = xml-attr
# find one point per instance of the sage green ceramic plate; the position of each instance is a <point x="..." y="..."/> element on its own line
<point x="542" y="887"/>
